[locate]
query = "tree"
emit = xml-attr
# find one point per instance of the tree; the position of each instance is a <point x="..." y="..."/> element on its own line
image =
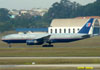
<point x="64" y="9"/>
<point x="97" y="0"/>
<point x="4" y="14"/>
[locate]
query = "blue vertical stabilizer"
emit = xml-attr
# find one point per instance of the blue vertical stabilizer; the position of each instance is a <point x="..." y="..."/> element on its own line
<point x="86" y="28"/>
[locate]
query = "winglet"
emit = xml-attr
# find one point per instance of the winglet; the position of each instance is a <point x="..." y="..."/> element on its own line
<point x="86" y="28"/>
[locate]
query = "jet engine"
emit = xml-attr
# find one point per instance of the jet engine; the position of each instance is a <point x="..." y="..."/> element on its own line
<point x="34" y="42"/>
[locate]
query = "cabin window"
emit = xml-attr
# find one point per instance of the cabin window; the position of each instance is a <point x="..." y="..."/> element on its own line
<point x="60" y="31"/>
<point x="68" y="30"/>
<point x="73" y="30"/>
<point x="55" y="30"/>
<point x="64" y="30"/>
<point x="51" y="30"/>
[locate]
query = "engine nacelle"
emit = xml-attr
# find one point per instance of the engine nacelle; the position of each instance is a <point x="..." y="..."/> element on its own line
<point x="34" y="42"/>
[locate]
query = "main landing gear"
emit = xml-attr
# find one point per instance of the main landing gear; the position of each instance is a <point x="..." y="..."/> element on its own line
<point x="48" y="45"/>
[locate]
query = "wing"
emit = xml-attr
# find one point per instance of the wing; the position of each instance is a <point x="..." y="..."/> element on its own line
<point x="40" y="39"/>
<point x="43" y="38"/>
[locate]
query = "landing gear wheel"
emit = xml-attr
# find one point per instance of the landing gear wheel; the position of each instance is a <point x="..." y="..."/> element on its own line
<point x="47" y="46"/>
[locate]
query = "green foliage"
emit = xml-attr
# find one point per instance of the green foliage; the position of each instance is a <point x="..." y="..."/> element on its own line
<point x="62" y="9"/>
<point x="68" y="9"/>
<point x="28" y="21"/>
<point x="4" y="16"/>
<point x="4" y="26"/>
<point x="91" y="9"/>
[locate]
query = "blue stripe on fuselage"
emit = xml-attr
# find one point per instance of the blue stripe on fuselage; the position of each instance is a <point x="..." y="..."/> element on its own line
<point x="14" y="41"/>
<point x="63" y="40"/>
<point x="52" y="40"/>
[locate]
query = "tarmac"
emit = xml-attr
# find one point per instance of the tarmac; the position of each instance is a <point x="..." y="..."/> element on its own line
<point x="51" y="65"/>
<point x="49" y="57"/>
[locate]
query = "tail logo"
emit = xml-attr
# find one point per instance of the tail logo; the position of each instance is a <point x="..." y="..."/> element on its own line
<point x="88" y="24"/>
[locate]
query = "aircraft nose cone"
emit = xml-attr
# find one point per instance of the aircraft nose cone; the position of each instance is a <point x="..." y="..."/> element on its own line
<point x="3" y="38"/>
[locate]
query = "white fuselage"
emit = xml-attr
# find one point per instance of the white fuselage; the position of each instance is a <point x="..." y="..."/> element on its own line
<point x="17" y="38"/>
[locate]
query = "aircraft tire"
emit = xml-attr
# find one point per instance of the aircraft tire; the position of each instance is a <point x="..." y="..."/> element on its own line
<point x="47" y="46"/>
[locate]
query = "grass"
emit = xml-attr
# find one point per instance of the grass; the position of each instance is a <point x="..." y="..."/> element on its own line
<point x="87" y="47"/>
<point x="48" y="61"/>
<point x="39" y="68"/>
<point x="49" y="52"/>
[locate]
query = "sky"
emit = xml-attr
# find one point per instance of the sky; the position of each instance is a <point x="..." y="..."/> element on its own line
<point x="29" y="4"/>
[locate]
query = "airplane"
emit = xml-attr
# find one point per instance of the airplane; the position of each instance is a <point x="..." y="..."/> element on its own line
<point x="46" y="39"/>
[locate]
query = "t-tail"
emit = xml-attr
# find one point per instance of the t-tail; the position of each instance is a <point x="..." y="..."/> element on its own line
<point x="86" y="28"/>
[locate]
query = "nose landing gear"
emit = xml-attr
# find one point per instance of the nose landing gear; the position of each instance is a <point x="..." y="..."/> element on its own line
<point x="9" y="45"/>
